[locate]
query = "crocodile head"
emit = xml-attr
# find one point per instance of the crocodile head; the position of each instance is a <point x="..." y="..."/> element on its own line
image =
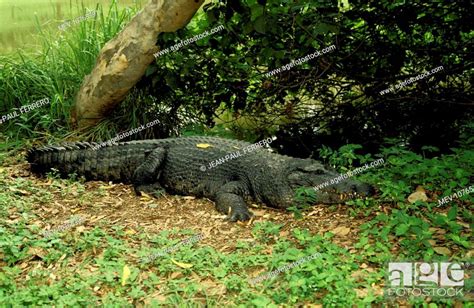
<point x="330" y="187"/>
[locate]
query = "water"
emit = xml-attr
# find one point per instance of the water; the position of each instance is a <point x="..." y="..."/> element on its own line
<point x="18" y="18"/>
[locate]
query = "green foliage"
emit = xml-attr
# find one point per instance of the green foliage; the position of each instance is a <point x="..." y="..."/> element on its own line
<point x="411" y="223"/>
<point x="263" y="35"/>
<point x="55" y="71"/>
<point x="344" y="157"/>
<point x="223" y="74"/>
<point x="394" y="230"/>
<point x="304" y="197"/>
<point x="404" y="170"/>
<point x="266" y="231"/>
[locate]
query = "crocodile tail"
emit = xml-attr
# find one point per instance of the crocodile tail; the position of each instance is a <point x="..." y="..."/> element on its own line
<point x="95" y="161"/>
<point x="66" y="158"/>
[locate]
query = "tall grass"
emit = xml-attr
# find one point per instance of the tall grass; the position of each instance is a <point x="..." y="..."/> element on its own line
<point x="55" y="71"/>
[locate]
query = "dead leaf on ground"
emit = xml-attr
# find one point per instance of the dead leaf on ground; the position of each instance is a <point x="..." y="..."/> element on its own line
<point x="420" y="189"/>
<point x="442" y="250"/>
<point x="358" y="274"/>
<point x="22" y="192"/>
<point x="97" y="218"/>
<point x="362" y="293"/>
<point x="213" y="288"/>
<point x="80" y="229"/>
<point x="130" y="232"/>
<point x="125" y="274"/>
<point x="437" y="230"/>
<point x="157" y="296"/>
<point x="37" y="251"/>
<point x="175" y="275"/>
<point x="418" y="195"/>
<point x="110" y="186"/>
<point x="182" y="265"/>
<point x="341" y="231"/>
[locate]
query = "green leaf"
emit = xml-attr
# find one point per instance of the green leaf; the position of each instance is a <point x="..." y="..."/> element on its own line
<point x="256" y="11"/>
<point x="453" y="213"/>
<point x="150" y="70"/>
<point x="358" y="24"/>
<point x="429" y="38"/>
<point x="324" y="28"/>
<point x="402" y="229"/>
<point x="260" y="25"/>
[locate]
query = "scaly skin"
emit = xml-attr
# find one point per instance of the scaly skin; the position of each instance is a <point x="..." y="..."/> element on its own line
<point x="185" y="166"/>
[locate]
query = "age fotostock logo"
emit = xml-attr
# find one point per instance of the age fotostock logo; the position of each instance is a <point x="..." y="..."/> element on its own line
<point x="415" y="279"/>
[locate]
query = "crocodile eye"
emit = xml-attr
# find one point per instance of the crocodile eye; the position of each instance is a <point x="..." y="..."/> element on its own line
<point x="295" y="176"/>
<point x="315" y="171"/>
<point x="313" y="168"/>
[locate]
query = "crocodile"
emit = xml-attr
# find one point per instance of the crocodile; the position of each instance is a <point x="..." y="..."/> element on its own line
<point x="231" y="173"/>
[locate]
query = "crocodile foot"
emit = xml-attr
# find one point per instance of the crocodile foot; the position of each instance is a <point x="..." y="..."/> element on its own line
<point x="239" y="215"/>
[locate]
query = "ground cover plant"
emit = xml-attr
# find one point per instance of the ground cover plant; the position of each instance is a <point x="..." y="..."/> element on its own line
<point x="88" y="263"/>
<point x="71" y="242"/>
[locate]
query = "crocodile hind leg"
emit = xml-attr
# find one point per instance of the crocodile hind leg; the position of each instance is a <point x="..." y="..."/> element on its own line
<point x="229" y="200"/>
<point x="145" y="177"/>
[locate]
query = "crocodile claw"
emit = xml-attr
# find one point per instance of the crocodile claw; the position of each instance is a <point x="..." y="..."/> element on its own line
<point x="239" y="216"/>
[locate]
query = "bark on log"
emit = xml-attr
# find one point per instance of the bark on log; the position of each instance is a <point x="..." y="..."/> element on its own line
<point x="124" y="59"/>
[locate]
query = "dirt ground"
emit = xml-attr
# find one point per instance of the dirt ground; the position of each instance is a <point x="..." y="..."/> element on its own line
<point x="120" y="205"/>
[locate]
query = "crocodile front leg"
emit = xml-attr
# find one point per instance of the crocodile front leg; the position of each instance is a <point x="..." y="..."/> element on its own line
<point x="229" y="200"/>
<point x="145" y="177"/>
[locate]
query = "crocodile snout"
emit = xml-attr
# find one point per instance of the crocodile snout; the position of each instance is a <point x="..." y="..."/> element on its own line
<point x="344" y="191"/>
